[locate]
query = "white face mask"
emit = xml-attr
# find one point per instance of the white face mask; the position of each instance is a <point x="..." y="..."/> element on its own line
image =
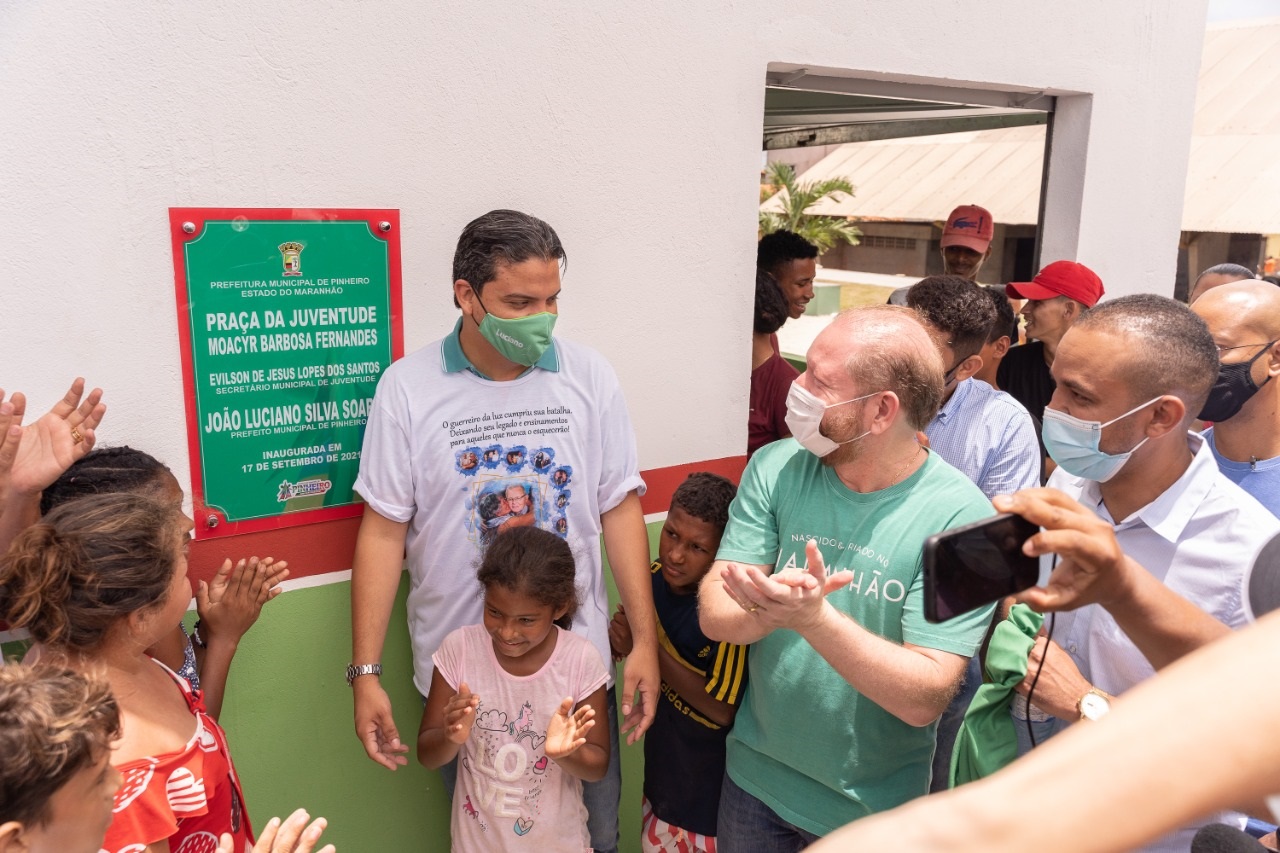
<point x="804" y="419"/>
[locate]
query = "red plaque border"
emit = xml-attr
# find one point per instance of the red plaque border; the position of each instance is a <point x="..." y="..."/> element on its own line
<point x="198" y="216"/>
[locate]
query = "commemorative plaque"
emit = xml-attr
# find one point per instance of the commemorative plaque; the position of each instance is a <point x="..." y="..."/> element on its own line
<point x="287" y="318"/>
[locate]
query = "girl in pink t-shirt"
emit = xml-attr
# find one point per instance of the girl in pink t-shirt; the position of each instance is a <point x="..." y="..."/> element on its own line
<point x="515" y="700"/>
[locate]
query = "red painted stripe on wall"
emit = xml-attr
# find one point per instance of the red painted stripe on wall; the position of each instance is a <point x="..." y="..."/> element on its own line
<point x="314" y="549"/>
<point x="662" y="482"/>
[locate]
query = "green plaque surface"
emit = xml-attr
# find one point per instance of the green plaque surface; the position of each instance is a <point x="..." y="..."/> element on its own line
<point x="290" y="325"/>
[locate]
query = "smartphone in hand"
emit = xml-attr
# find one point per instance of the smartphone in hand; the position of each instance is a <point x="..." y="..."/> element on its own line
<point x="978" y="564"/>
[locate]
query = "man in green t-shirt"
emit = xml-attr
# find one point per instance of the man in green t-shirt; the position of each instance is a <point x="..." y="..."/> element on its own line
<point x="820" y="570"/>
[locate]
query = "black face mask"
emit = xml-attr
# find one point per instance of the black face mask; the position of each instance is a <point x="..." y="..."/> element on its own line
<point x="951" y="374"/>
<point x="1233" y="389"/>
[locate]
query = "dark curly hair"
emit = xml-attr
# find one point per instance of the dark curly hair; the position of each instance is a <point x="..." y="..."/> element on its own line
<point x="706" y="496"/>
<point x="536" y="563"/>
<point x="1006" y="324"/>
<point x="104" y="470"/>
<point x="771" y="305"/>
<point x="780" y="247"/>
<point x="956" y="307"/>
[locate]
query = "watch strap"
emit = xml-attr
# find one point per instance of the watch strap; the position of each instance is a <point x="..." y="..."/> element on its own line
<point x="354" y="671"/>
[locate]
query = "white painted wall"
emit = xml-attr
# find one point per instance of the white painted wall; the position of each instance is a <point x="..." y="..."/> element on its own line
<point x="633" y="127"/>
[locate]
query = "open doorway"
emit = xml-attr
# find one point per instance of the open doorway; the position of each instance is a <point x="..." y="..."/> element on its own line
<point x="912" y="152"/>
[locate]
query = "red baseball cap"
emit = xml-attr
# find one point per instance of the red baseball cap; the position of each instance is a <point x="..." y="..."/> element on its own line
<point x="969" y="226"/>
<point x="1060" y="278"/>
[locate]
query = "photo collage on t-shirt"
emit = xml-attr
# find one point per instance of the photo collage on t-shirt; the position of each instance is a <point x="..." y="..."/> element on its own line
<point x="514" y="486"/>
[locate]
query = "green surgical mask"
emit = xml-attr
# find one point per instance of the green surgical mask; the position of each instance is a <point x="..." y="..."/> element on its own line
<point x="522" y="340"/>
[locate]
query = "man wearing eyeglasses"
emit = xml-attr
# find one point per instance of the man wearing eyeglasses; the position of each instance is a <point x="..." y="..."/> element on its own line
<point x="1244" y="405"/>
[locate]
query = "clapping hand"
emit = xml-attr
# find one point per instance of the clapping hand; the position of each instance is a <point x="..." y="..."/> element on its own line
<point x="10" y="438"/>
<point x="792" y="598"/>
<point x="287" y="837"/>
<point x="568" y="729"/>
<point x="232" y="601"/>
<point x="460" y="715"/>
<point x="50" y="445"/>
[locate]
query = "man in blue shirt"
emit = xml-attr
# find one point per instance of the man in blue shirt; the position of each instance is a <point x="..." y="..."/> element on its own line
<point x="984" y="433"/>
<point x="1244" y="405"/>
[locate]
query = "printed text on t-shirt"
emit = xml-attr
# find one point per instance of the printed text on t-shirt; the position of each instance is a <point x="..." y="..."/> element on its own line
<point x="494" y="425"/>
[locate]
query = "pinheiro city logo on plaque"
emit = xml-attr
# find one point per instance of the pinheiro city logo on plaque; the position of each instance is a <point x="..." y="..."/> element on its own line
<point x="291" y="257"/>
<point x="306" y="488"/>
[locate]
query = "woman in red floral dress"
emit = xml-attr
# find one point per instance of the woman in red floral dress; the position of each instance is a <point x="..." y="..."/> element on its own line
<point x="97" y="582"/>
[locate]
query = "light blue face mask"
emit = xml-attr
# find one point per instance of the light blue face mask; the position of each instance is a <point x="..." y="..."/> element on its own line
<point x="1073" y="444"/>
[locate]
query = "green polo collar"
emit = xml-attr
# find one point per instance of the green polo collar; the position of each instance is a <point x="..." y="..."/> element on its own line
<point x="456" y="361"/>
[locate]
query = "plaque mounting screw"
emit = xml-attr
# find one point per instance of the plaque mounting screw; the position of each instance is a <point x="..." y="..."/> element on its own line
<point x="211" y="520"/>
<point x="188" y="228"/>
<point x="384" y="227"/>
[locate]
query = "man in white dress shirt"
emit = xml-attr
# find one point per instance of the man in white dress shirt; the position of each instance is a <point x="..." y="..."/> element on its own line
<point x="1131" y="375"/>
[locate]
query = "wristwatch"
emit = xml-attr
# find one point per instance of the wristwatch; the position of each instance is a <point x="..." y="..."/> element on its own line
<point x="1094" y="705"/>
<point x="354" y="672"/>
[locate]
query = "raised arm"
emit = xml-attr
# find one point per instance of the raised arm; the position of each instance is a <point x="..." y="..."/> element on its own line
<point x="911" y="682"/>
<point x="627" y="544"/>
<point x="228" y="607"/>
<point x="448" y="717"/>
<point x="575" y="742"/>
<point x="10" y="438"/>
<point x="1206" y="717"/>
<point x="1092" y="569"/>
<point x="46" y="448"/>
<point x="375" y="576"/>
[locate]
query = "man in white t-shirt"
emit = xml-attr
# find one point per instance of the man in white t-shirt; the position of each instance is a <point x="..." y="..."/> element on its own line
<point x="496" y="424"/>
<point x="1130" y="376"/>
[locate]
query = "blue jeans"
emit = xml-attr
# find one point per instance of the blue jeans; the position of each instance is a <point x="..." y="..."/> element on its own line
<point x="949" y="725"/>
<point x="1042" y="725"/>
<point x="601" y="798"/>
<point x="746" y="825"/>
